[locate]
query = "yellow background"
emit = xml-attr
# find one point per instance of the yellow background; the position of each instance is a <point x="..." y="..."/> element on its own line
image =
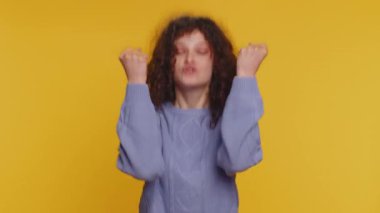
<point x="62" y="86"/>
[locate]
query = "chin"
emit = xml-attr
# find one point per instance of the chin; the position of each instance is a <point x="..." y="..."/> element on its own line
<point x="192" y="85"/>
<point x="191" y="81"/>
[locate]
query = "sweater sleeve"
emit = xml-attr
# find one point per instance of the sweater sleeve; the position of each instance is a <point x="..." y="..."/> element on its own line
<point x="138" y="129"/>
<point x="241" y="145"/>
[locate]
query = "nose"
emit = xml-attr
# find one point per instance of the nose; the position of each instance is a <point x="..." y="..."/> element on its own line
<point x="189" y="57"/>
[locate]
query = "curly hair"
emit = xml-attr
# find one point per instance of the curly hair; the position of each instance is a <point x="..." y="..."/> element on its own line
<point x="160" y="77"/>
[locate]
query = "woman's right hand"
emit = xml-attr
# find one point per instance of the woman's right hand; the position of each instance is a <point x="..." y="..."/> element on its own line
<point x="135" y="65"/>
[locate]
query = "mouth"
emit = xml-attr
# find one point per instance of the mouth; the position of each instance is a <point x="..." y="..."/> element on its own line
<point x="189" y="70"/>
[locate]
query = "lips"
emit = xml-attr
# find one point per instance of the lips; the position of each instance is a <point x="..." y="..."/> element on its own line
<point x="189" y="69"/>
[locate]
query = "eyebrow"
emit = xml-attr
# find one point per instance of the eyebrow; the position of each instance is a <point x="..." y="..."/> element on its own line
<point x="202" y="43"/>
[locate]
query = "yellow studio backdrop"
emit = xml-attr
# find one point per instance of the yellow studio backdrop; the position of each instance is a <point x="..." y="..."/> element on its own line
<point x="62" y="87"/>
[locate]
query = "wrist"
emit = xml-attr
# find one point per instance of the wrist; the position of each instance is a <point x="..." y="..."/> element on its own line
<point x="245" y="74"/>
<point x="137" y="81"/>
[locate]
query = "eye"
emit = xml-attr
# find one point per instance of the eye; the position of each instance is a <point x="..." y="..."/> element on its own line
<point x="180" y="51"/>
<point x="202" y="51"/>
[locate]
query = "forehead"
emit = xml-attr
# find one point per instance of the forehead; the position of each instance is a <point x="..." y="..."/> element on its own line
<point x="194" y="37"/>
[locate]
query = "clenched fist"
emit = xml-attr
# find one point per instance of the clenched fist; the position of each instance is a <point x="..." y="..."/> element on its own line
<point x="250" y="58"/>
<point x="135" y="65"/>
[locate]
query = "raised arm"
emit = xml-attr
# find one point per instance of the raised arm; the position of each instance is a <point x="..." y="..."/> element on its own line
<point x="241" y="143"/>
<point x="138" y="128"/>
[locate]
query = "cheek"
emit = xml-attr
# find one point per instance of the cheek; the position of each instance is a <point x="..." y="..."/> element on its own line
<point x="177" y="64"/>
<point x="178" y="61"/>
<point x="207" y="64"/>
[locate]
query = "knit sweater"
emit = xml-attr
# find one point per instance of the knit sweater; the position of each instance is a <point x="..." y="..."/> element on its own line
<point x="187" y="166"/>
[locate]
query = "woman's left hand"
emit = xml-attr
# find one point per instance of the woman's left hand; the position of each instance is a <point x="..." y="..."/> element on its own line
<point x="250" y="58"/>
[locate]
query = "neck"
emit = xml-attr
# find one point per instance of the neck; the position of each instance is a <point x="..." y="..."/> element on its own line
<point x="192" y="98"/>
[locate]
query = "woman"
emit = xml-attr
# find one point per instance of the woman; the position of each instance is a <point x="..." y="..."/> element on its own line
<point x="189" y="120"/>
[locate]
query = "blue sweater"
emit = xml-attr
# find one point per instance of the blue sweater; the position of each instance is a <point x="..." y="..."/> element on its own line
<point x="187" y="166"/>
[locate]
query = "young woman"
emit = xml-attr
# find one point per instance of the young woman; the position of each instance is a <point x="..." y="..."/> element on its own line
<point x="189" y="120"/>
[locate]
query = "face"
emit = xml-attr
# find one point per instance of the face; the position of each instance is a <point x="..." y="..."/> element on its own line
<point x="193" y="66"/>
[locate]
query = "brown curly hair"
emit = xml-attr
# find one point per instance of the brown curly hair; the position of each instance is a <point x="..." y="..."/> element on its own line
<point x="160" y="77"/>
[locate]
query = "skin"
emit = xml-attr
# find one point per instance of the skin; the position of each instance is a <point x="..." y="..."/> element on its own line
<point x="193" y="67"/>
<point x="192" y="71"/>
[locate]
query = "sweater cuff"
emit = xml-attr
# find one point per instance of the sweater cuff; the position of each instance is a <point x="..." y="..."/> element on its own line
<point x="245" y="85"/>
<point x="137" y="93"/>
